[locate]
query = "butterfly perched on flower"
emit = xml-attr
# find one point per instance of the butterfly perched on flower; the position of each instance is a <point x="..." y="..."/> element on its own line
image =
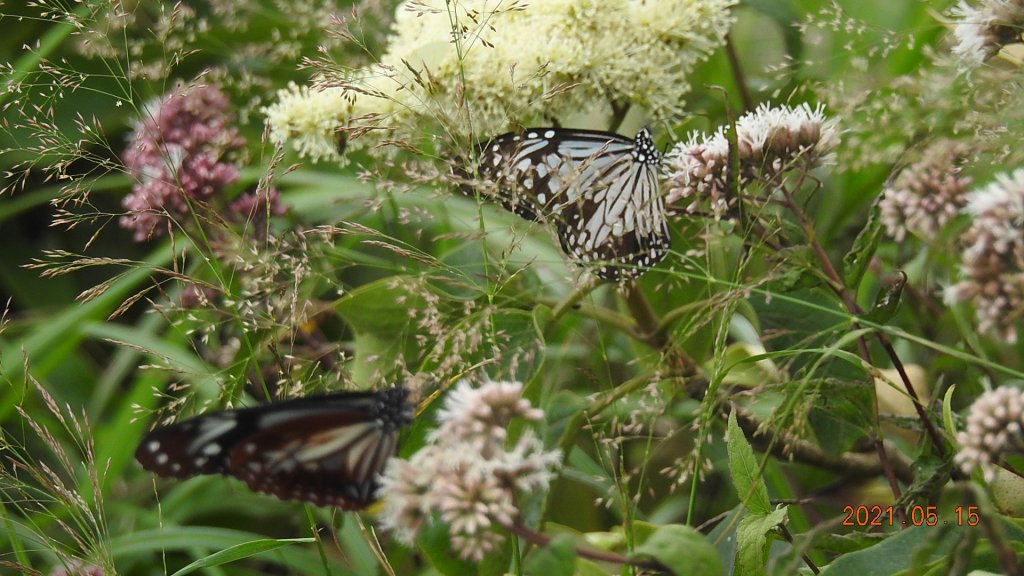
<point x="599" y="190"/>
<point x="327" y="449"/>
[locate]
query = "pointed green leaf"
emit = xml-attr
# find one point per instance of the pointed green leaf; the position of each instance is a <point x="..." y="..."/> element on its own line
<point x="896" y="553"/>
<point x="558" y="558"/>
<point x="542" y="315"/>
<point x="745" y="471"/>
<point x="378" y="313"/>
<point x="682" y="550"/>
<point x="888" y="301"/>
<point x="752" y="541"/>
<point x="855" y="262"/>
<point x="240" y="551"/>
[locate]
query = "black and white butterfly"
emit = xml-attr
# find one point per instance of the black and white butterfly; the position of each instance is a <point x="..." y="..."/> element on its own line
<point x="328" y="449"/>
<point x="598" y="189"/>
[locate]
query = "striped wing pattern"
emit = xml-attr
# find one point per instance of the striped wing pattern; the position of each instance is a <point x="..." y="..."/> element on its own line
<point x="599" y="190"/>
<point x="328" y="449"/>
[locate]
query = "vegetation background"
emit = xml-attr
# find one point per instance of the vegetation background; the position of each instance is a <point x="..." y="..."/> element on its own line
<point x="374" y="275"/>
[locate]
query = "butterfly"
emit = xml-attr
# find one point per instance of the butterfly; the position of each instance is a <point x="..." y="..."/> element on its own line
<point x="328" y="449"/>
<point x="599" y="189"/>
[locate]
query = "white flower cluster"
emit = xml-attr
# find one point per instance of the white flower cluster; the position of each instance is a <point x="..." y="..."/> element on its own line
<point x="926" y="195"/>
<point x="771" y="141"/>
<point x="466" y="475"/>
<point x="994" y="429"/>
<point x="982" y="30"/>
<point x="513" y="62"/>
<point x="993" y="260"/>
<point x="309" y="120"/>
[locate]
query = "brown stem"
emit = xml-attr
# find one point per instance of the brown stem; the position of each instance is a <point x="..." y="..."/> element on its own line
<point x="648" y="325"/>
<point x="539" y="539"/>
<point x="836" y="282"/>
<point x="933" y="433"/>
<point x="851" y="305"/>
<point x="807" y="559"/>
<point x="737" y="74"/>
<point x="565" y="305"/>
<point x="646" y="320"/>
<point x="849" y="465"/>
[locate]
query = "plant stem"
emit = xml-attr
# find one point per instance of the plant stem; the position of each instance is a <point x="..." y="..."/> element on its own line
<point x="848" y="465"/>
<point x="807" y="559"/>
<point x="737" y="74"/>
<point x="565" y="305"/>
<point x="649" y="326"/>
<point x="538" y="539"/>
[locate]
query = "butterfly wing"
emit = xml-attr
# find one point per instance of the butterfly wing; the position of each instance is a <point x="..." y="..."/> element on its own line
<point x="328" y="450"/>
<point x="195" y="446"/>
<point x="329" y="458"/>
<point x="598" y="189"/>
<point x="617" y="222"/>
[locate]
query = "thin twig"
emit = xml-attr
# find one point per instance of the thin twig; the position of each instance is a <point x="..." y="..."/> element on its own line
<point x="849" y="465"/>
<point x="538" y="539"/>
<point x="807" y="559"/>
<point x="737" y="74"/>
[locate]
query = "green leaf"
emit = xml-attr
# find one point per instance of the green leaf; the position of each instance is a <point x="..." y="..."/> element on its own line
<point x="435" y="543"/>
<point x="382" y="306"/>
<point x="855" y="262"/>
<point x="682" y="550"/>
<point x="847" y="543"/>
<point x="358" y="552"/>
<point x="378" y="313"/>
<point x="496" y="563"/>
<point x="541" y="317"/>
<point x="240" y="551"/>
<point x="888" y="301"/>
<point x="841" y="416"/>
<point x="147" y="544"/>
<point x="745" y="471"/>
<point x="586" y="567"/>
<point x="752" y="541"/>
<point x="947" y="412"/>
<point x="558" y="558"/>
<point x="745" y="367"/>
<point x="896" y="553"/>
<point x="564" y="413"/>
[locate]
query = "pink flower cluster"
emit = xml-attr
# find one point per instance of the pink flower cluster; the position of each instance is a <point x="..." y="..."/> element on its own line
<point x="178" y="155"/>
<point x="993" y="430"/>
<point x="467" y="476"/>
<point x="771" y="141"/>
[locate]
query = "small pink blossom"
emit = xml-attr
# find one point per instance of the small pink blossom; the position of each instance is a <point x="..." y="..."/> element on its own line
<point x="178" y="155"/>
<point x="253" y="204"/>
<point x="467" y="477"/>
<point x="993" y="256"/>
<point x="994" y="430"/>
<point x="771" y="141"/>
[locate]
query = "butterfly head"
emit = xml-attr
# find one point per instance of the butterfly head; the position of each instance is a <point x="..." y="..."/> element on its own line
<point x="645" y="150"/>
<point x="392" y="409"/>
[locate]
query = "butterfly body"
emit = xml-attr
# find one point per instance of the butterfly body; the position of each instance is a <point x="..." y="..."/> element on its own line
<point x="327" y="449"/>
<point x="599" y="190"/>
